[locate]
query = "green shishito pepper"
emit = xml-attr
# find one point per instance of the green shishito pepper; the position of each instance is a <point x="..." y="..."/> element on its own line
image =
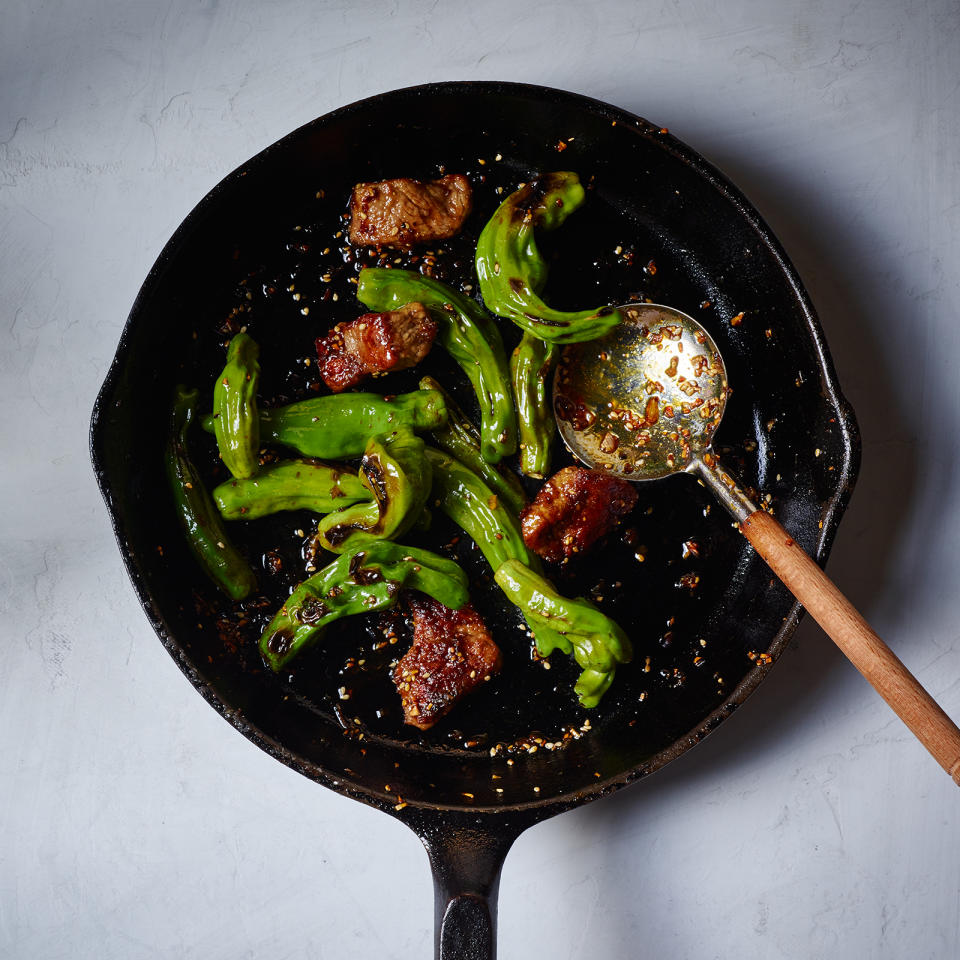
<point x="472" y="505"/>
<point x="397" y="473"/>
<point x="469" y="336"/>
<point x="236" y="423"/>
<point x="571" y="626"/>
<point x="198" y="517"/>
<point x="530" y="367"/>
<point x="512" y="271"/>
<point x="340" y="425"/>
<point x="461" y="439"/>
<point x="490" y="523"/>
<point x="355" y="583"/>
<point x="290" y="485"/>
<point x="598" y="643"/>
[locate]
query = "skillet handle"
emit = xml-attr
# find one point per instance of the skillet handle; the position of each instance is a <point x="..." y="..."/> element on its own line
<point x="466" y="856"/>
<point x="853" y="635"/>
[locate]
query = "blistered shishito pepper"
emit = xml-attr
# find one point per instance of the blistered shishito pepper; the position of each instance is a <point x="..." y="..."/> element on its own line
<point x="236" y="423"/>
<point x="290" y="485"/>
<point x="472" y="505"/>
<point x="492" y="525"/>
<point x="358" y="582"/>
<point x="397" y="473"/>
<point x="598" y="643"/>
<point x="461" y="439"/>
<point x="571" y="626"/>
<point x="530" y="367"/>
<point x="512" y="272"/>
<point x="340" y="425"/>
<point x="469" y="336"/>
<point x="198" y="516"/>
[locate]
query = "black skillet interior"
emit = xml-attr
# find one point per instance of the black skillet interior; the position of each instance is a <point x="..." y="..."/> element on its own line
<point x="264" y="250"/>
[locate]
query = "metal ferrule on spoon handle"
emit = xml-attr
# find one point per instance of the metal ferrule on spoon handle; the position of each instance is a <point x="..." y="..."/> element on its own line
<point x="725" y="488"/>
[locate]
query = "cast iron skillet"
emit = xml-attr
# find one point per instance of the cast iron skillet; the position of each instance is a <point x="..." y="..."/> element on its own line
<point x="706" y="617"/>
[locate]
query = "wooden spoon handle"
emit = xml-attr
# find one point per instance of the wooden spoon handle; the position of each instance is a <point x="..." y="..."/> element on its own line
<point x="852" y="634"/>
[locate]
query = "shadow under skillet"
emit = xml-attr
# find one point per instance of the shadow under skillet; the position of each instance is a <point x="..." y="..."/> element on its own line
<point x="839" y="263"/>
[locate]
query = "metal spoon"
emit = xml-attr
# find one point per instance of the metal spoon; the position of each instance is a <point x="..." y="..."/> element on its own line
<point x="645" y="402"/>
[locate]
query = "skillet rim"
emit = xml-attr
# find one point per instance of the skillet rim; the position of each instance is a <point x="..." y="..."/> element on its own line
<point x="848" y="440"/>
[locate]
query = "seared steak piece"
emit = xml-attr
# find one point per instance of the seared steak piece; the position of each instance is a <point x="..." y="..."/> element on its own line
<point x="375" y="343"/>
<point x="573" y="509"/>
<point x="402" y="212"/>
<point x="452" y="653"/>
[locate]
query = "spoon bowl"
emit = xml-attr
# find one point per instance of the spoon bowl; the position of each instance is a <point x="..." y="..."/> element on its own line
<point x="645" y="401"/>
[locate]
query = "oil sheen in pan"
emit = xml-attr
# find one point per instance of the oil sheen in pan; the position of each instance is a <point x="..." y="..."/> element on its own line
<point x="658" y="575"/>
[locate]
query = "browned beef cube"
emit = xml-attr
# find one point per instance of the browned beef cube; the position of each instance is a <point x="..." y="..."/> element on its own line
<point x="452" y="653"/>
<point x="573" y="509"/>
<point x="375" y="343"/>
<point x="402" y="212"/>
